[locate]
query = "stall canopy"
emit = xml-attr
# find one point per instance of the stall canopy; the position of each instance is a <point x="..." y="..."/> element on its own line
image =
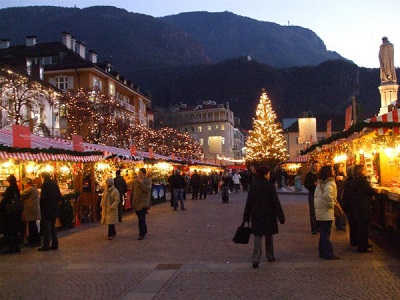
<point x="392" y="116"/>
<point x="44" y="149"/>
<point x="298" y="159"/>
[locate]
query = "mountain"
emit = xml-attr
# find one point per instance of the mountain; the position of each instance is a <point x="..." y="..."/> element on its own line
<point x="226" y="35"/>
<point x="193" y="57"/>
<point x="324" y="89"/>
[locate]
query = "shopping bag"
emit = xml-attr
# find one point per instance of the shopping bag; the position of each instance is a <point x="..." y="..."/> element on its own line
<point x="242" y="234"/>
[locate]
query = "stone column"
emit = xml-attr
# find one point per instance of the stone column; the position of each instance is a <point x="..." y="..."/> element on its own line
<point x="388" y="95"/>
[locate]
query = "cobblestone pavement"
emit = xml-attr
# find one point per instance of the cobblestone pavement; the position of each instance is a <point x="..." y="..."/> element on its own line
<point x="190" y="255"/>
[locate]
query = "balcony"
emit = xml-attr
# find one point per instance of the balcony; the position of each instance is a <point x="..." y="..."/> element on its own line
<point x="126" y="105"/>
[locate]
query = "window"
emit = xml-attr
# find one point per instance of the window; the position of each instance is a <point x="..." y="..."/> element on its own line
<point x="186" y="130"/>
<point x="111" y="89"/>
<point x="62" y="83"/>
<point x="96" y="83"/>
<point x="216" y="127"/>
<point x="209" y="127"/>
<point x="201" y="142"/>
<point x="192" y="129"/>
<point x="199" y="129"/>
<point x="223" y="140"/>
<point x="222" y="127"/>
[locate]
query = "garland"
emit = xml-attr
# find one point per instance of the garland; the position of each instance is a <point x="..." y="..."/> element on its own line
<point x="50" y="150"/>
<point x="345" y="134"/>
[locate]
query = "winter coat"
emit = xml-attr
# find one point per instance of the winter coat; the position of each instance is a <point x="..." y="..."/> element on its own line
<point x="109" y="206"/>
<point x="50" y="197"/>
<point x="263" y="208"/>
<point x="30" y="197"/>
<point x="324" y="199"/>
<point x="141" y="194"/>
<point x="121" y="186"/>
<point x="361" y="193"/>
<point x="10" y="224"/>
<point x="309" y="182"/>
<point x="195" y="180"/>
<point x="204" y="179"/>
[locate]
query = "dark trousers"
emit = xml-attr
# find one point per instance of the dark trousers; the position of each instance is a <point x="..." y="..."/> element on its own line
<point x="352" y="230"/>
<point x="313" y="220"/>
<point x="120" y="208"/>
<point x="141" y="214"/>
<point x="325" y="248"/>
<point x="33" y="233"/>
<point x="49" y="233"/>
<point x="111" y="230"/>
<point x="195" y="192"/>
<point x="362" y="234"/>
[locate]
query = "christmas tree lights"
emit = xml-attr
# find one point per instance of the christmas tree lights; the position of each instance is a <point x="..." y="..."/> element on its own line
<point x="266" y="143"/>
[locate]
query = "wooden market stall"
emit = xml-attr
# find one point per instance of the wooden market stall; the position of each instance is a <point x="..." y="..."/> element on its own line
<point x="374" y="143"/>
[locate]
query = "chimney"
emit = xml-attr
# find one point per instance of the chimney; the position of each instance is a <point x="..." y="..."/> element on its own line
<point x="73" y="43"/>
<point x="80" y="49"/>
<point x="66" y="39"/>
<point x="30" y="41"/>
<point x="4" y="44"/>
<point x="93" y="56"/>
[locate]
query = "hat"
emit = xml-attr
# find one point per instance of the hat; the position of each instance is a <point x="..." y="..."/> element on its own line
<point x="110" y="181"/>
<point x="27" y="180"/>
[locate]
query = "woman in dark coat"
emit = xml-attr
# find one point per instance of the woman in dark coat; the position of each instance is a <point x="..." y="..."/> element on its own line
<point x="359" y="206"/>
<point x="12" y="222"/>
<point x="262" y="209"/>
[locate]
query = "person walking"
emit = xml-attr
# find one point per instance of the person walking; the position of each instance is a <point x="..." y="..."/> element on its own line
<point x="324" y="200"/>
<point x="141" y="195"/>
<point x="195" y="184"/>
<point x="50" y="197"/>
<point x="31" y="213"/>
<point x="225" y="184"/>
<point x="11" y="221"/>
<point x="109" y="207"/>
<point x="262" y="209"/>
<point x="361" y="194"/>
<point x="236" y="181"/>
<point x="122" y="187"/>
<point x="177" y="185"/>
<point x="310" y="183"/>
<point x="216" y="179"/>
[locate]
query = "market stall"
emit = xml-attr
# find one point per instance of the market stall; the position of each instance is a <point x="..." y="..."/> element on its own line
<point x="374" y="143"/>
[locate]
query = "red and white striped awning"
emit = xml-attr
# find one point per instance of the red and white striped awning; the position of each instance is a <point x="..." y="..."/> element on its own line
<point x="298" y="159"/>
<point x="392" y="116"/>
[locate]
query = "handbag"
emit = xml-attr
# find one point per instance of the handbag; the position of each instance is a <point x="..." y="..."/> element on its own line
<point x="15" y="206"/>
<point x="338" y="210"/>
<point x="242" y="235"/>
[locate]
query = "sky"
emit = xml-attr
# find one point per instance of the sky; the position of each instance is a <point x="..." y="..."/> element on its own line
<point x="353" y="28"/>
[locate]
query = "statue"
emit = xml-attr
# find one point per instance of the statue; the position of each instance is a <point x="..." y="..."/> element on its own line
<point x="386" y="61"/>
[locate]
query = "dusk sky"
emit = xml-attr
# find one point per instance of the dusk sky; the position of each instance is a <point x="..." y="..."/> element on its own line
<point x="352" y="28"/>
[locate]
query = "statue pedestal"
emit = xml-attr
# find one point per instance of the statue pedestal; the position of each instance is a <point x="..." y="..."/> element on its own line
<point x="388" y="95"/>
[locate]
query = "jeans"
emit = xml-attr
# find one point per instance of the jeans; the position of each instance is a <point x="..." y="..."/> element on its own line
<point x="313" y="220"/>
<point x="325" y="248"/>
<point x="141" y="214"/>
<point x="257" y="249"/>
<point x="49" y="233"/>
<point x="178" y="195"/>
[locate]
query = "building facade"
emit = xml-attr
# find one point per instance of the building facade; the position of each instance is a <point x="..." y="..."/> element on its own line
<point x="71" y="68"/>
<point x="209" y="123"/>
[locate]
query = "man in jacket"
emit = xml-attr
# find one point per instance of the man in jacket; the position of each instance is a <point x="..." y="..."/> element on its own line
<point x="177" y="185"/>
<point x="141" y="194"/>
<point x="195" y="183"/>
<point x="120" y="185"/>
<point x="50" y="197"/>
<point x="310" y="182"/>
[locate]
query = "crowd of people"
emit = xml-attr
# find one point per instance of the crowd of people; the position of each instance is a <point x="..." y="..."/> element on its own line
<point x="331" y="186"/>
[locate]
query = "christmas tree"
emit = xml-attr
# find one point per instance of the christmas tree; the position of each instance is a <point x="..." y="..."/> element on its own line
<point x="266" y="143"/>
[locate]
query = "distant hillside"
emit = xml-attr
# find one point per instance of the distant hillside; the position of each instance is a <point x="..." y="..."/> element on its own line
<point x="226" y="35"/>
<point x="323" y="89"/>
